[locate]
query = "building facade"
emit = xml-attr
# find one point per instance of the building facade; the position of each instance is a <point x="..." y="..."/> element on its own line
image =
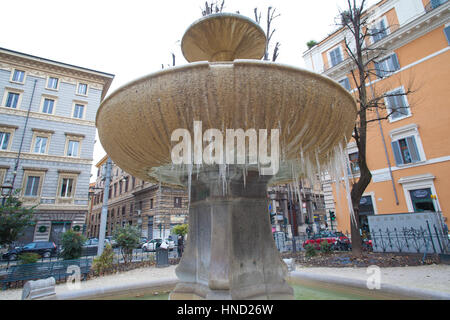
<point x="409" y="153"/>
<point x="293" y="210"/>
<point x="155" y="209"/>
<point x="47" y="136"/>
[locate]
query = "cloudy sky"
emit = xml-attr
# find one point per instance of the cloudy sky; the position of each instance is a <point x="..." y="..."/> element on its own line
<point x="133" y="38"/>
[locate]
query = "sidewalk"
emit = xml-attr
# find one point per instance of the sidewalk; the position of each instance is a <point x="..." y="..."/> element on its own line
<point x="432" y="277"/>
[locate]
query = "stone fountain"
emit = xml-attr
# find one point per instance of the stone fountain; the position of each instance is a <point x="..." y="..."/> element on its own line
<point x="230" y="252"/>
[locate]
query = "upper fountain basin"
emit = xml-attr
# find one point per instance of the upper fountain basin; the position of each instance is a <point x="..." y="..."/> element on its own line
<point x="135" y="122"/>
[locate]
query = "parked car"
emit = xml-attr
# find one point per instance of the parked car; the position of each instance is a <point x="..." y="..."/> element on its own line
<point x="153" y="244"/>
<point x="337" y="240"/>
<point x="43" y="248"/>
<point x="142" y="241"/>
<point x="111" y="241"/>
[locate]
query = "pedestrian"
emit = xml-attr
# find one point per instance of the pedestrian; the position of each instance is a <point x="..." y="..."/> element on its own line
<point x="308" y="231"/>
<point x="180" y="245"/>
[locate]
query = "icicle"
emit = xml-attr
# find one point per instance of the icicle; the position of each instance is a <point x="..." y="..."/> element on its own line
<point x="347" y="183"/>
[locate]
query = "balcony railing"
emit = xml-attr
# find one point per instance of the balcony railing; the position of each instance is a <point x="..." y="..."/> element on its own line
<point x="433" y="4"/>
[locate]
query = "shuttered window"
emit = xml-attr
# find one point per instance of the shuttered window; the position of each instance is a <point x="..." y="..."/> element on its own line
<point x="386" y="66"/>
<point x="396" y="104"/>
<point x="345" y="83"/>
<point x="335" y="56"/>
<point x="379" y="31"/>
<point x="405" y="150"/>
<point x="447" y="34"/>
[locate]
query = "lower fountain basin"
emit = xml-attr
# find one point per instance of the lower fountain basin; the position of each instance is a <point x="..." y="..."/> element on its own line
<point x="306" y="286"/>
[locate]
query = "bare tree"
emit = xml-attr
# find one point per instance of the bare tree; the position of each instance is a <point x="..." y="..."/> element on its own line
<point x="212" y="7"/>
<point x="271" y="16"/>
<point x="365" y="68"/>
<point x="173" y="61"/>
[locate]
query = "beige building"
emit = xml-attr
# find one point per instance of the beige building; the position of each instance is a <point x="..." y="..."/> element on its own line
<point x="155" y="209"/>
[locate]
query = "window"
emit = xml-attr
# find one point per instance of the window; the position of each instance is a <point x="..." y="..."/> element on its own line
<point x="386" y="66"/>
<point x="18" y="76"/>
<point x="4" y="140"/>
<point x="418" y="190"/>
<point x="66" y="188"/>
<point x="78" y="111"/>
<point x="436" y="3"/>
<point x="32" y="186"/>
<point x="40" y="141"/>
<point x="177" y="202"/>
<point x="151" y="203"/>
<point x="72" y="148"/>
<point x="82" y="89"/>
<point x="380" y="30"/>
<point x="40" y="145"/>
<point x="48" y="106"/>
<point x="335" y="56"/>
<point x="397" y="105"/>
<point x="421" y="200"/>
<point x="447" y="34"/>
<point x="12" y="100"/>
<point x="366" y="206"/>
<point x="354" y="166"/>
<point x="345" y="83"/>
<point x="405" y="150"/>
<point x="52" y="83"/>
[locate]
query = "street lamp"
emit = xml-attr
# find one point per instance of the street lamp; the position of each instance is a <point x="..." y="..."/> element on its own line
<point x="5" y="195"/>
<point x="102" y="231"/>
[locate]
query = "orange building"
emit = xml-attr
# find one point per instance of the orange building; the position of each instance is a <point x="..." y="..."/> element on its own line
<point x="409" y="153"/>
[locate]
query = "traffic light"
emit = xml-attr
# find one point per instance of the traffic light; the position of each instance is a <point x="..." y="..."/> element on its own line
<point x="272" y="217"/>
<point x="332" y="216"/>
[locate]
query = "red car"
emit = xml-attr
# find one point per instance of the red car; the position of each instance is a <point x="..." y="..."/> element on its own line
<point x="337" y="240"/>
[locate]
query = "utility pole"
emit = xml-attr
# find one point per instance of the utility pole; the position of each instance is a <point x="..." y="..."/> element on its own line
<point x="102" y="231"/>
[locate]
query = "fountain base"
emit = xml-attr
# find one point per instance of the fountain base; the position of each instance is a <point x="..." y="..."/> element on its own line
<point x="230" y="252"/>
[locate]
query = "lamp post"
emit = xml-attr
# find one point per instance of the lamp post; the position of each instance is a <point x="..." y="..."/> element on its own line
<point x="102" y="231"/>
<point x="5" y="195"/>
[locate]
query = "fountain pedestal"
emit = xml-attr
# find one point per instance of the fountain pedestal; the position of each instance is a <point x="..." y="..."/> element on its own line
<point x="230" y="252"/>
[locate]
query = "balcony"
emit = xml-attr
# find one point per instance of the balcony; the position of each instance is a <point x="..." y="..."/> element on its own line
<point x="433" y="4"/>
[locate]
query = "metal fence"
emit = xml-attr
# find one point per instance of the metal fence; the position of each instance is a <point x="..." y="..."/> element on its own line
<point x="410" y="240"/>
<point x="138" y="255"/>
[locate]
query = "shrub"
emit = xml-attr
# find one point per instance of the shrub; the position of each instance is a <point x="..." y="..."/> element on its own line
<point x="14" y="218"/>
<point x="310" y="250"/>
<point x="325" y="247"/>
<point x="27" y="258"/>
<point x="127" y="238"/>
<point x="104" y="262"/>
<point x="181" y="229"/>
<point x="72" y="245"/>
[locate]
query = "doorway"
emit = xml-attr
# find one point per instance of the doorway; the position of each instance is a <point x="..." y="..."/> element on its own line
<point x="421" y="200"/>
